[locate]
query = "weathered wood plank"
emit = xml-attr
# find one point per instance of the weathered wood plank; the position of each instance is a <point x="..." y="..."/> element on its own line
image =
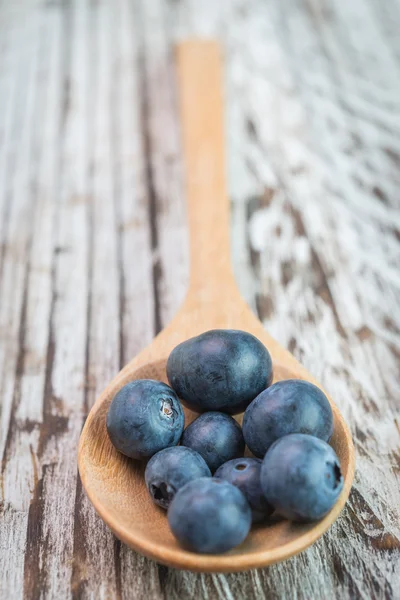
<point x="163" y="150"/>
<point x="23" y="346"/>
<point x="103" y="334"/>
<point x="50" y="522"/>
<point x="93" y="259"/>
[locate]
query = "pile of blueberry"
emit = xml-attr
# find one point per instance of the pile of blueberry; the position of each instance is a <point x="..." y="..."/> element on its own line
<point x="286" y="426"/>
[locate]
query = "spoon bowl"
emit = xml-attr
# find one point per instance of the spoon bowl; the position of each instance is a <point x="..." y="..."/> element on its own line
<point x="114" y="483"/>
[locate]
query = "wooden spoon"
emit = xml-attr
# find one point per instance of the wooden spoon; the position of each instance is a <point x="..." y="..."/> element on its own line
<point x="115" y="484"/>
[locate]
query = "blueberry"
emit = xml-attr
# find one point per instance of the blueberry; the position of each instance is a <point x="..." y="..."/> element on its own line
<point x="170" y="469"/>
<point x="301" y="477"/>
<point x="222" y="369"/>
<point x="245" y="474"/>
<point x="209" y="516"/>
<point x="291" y="406"/>
<point x="144" y="417"/>
<point x="216" y="436"/>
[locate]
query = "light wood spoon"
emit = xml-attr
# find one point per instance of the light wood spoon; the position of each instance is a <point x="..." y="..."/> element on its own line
<point x="115" y="484"/>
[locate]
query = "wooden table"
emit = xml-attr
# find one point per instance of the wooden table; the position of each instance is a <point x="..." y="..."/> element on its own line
<point x="93" y="259"/>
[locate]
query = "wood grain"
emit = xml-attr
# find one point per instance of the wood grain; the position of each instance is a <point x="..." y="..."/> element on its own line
<point x="312" y="126"/>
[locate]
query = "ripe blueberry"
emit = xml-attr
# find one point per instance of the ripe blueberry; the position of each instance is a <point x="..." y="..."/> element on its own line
<point x="170" y="469"/>
<point x="290" y="406"/>
<point x="301" y="477"/>
<point x="216" y="436"/>
<point x="209" y="515"/>
<point x="245" y="474"/>
<point x="144" y="417"/>
<point x="221" y="369"/>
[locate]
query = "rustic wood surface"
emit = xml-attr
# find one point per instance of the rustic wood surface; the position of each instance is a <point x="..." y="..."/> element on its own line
<point x="93" y="259"/>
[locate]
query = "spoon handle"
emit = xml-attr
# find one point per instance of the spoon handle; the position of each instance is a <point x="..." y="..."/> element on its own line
<point x="199" y="67"/>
